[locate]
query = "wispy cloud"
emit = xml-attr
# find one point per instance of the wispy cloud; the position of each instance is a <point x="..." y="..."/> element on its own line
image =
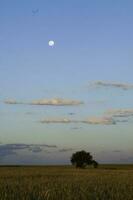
<point x="56" y="102"/>
<point x="12" y="149"/>
<point x="29" y="113"/>
<point x="93" y="120"/>
<point x="66" y="150"/>
<point x="100" y="120"/>
<point x="124" y="86"/>
<point x="12" y="101"/>
<point x="76" y="128"/>
<point x="35" y="149"/>
<point x="71" y="113"/>
<point x="50" y="102"/>
<point x="64" y="120"/>
<point x="120" y="112"/>
<point x="117" y="151"/>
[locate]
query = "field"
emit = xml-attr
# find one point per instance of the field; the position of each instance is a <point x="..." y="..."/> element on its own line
<point x="109" y="182"/>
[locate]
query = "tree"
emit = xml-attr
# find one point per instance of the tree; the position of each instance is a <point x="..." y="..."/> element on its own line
<point x="82" y="158"/>
<point x="95" y="164"/>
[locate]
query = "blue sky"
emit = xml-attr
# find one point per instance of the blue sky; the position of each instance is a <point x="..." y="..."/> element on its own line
<point x="93" y="42"/>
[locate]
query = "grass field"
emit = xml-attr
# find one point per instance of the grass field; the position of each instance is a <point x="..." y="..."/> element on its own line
<point x="108" y="182"/>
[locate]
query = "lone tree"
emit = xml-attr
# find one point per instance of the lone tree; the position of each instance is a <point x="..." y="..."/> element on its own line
<point x="95" y="164"/>
<point x="81" y="159"/>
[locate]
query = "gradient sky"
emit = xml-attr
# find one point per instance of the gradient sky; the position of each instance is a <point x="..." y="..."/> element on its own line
<point x="93" y="42"/>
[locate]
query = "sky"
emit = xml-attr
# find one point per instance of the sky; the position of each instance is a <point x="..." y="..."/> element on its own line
<point x="76" y="95"/>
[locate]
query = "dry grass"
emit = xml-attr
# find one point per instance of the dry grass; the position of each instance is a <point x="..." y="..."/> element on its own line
<point x="110" y="182"/>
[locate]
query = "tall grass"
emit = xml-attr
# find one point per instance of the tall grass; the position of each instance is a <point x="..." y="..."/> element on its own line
<point x="66" y="183"/>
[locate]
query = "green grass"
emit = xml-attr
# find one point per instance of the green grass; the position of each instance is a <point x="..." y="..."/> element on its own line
<point x="109" y="182"/>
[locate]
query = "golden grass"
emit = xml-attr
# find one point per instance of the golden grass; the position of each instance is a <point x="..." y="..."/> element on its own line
<point x="109" y="182"/>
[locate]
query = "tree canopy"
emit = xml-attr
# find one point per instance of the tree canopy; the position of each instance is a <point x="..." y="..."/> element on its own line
<point x="82" y="158"/>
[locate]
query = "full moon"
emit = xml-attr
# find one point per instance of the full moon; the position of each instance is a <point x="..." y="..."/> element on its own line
<point x="51" y="43"/>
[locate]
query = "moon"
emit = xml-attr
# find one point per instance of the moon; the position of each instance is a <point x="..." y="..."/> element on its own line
<point x="51" y="43"/>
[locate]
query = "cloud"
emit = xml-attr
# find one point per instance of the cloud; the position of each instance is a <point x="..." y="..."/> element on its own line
<point x="124" y="86"/>
<point x="50" y="102"/>
<point x="12" y="149"/>
<point x="64" y="120"/>
<point x="121" y="120"/>
<point x="120" y="113"/>
<point x="65" y="149"/>
<point x="76" y="128"/>
<point x="6" y="152"/>
<point x="56" y="102"/>
<point x="71" y="113"/>
<point x="12" y="101"/>
<point x="100" y="120"/>
<point x="46" y="145"/>
<point x="29" y="113"/>
<point x="35" y="149"/>
<point x="94" y="120"/>
<point x="117" y="151"/>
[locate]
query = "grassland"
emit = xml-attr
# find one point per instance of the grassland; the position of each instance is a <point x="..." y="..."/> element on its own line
<point x="109" y="182"/>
